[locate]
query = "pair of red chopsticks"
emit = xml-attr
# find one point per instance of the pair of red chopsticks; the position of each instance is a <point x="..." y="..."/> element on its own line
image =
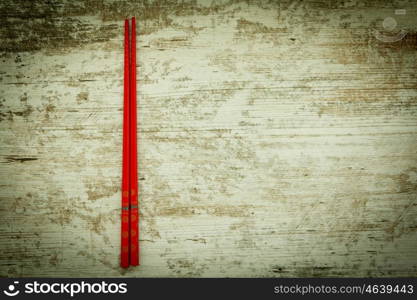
<point x="130" y="214"/>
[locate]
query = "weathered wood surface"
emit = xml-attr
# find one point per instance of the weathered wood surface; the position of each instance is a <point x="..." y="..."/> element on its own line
<point x="275" y="138"/>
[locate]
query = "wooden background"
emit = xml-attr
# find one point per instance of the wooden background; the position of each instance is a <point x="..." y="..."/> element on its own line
<point x="275" y="138"/>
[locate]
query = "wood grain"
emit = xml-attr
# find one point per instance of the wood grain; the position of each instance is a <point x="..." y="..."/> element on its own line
<point x="276" y="138"/>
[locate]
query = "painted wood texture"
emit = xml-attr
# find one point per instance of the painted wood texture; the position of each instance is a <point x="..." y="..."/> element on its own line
<point x="275" y="138"/>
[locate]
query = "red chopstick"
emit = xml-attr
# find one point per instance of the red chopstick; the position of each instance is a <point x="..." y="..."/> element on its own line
<point x="134" y="214"/>
<point x="125" y="235"/>
<point x="130" y="211"/>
